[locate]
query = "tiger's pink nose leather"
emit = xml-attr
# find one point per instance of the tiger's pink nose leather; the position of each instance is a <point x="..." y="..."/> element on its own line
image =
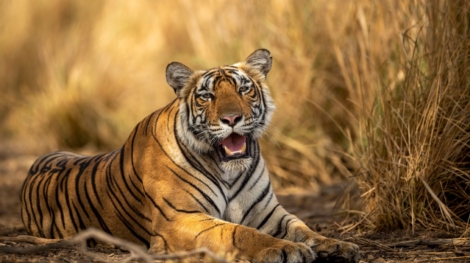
<point x="231" y="120"/>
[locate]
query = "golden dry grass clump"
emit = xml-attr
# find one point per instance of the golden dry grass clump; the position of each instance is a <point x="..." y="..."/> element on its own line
<point x="416" y="162"/>
<point x="375" y="89"/>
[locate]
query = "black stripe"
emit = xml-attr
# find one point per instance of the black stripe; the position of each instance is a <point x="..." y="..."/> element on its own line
<point x="208" y="74"/>
<point x="48" y="207"/>
<point x="257" y="179"/>
<point x="67" y="198"/>
<point x="82" y="225"/>
<point x="156" y="122"/>
<point x="78" y="160"/>
<point x="180" y="210"/>
<point x="60" y="186"/>
<point x="260" y="197"/>
<point x="33" y="171"/>
<point x="269" y="199"/>
<point x="46" y="167"/>
<point x="146" y="125"/>
<point x="82" y="168"/>
<point x="197" y="189"/>
<point x="163" y="150"/>
<point x="207" y="229"/>
<point x="137" y="188"/>
<point x="156" y="206"/>
<point x="57" y="202"/>
<point x="113" y="183"/>
<point x="131" y="229"/>
<point x="197" y="165"/>
<point x="237" y="177"/>
<point x="28" y="202"/>
<point x="94" y="182"/>
<point x="188" y="109"/>
<point x="261" y="96"/>
<point x="164" y="241"/>
<point x="132" y="157"/>
<point x="169" y="114"/>
<point x="39" y="221"/>
<point x="247" y="177"/>
<point x="287" y="227"/>
<point x="114" y="198"/>
<point x="95" y="211"/>
<point x="124" y="178"/>
<point x="197" y="200"/>
<point x="279" y="226"/>
<point x="268" y="216"/>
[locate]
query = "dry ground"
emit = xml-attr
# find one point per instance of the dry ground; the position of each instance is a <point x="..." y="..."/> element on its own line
<point x="316" y="209"/>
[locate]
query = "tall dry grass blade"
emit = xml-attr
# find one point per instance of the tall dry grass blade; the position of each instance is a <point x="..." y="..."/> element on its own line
<point x="446" y="213"/>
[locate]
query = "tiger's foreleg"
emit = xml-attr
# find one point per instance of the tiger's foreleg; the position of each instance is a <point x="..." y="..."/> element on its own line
<point x="191" y="231"/>
<point x="289" y="227"/>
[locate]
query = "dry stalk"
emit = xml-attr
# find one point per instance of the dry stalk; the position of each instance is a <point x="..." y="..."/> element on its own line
<point x="137" y="252"/>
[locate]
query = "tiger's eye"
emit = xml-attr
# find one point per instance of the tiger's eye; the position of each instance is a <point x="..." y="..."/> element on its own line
<point x="206" y="96"/>
<point x="244" y="89"/>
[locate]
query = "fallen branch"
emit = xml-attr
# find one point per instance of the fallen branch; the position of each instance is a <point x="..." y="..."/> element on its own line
<point x="137" y="252"/>
<point x="28" y="250"/>
<point x="30" y="239"/>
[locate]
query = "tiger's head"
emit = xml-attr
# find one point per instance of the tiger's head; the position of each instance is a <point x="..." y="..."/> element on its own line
<point x="224" y="109"/>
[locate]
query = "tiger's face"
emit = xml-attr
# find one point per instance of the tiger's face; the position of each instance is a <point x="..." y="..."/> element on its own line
<point x="225" y="109"/>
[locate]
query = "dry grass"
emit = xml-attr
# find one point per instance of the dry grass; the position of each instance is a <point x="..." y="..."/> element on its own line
<point x="379" y="87"/>
<point x="416" y="163"/>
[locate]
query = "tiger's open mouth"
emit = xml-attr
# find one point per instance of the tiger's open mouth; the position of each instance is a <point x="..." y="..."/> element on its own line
<point x="235" y="146"/>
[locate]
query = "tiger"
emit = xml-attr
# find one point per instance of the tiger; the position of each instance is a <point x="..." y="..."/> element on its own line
<point x="190" y="175"/>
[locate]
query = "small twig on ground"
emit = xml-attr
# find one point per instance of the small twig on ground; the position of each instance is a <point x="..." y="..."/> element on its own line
<point x="456" y="242"/>
<point x="30" y="239"/>
<point x="431" y="242"/>
<point x="368" y="242"/>
<point x="44" y="244"/>
<point x="199" y="251"/>
<point x="466" y="258"/>
<point x="39" y="248"/>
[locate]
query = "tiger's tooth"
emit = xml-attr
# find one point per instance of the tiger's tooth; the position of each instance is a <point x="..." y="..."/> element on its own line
<point x="227" y="150"/>
<point x="243" y="148"/>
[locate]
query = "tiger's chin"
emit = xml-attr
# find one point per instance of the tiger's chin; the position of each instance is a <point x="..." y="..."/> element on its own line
<point x="236" y="165"/>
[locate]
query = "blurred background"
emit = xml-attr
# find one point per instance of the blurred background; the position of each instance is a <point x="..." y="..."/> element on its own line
<point x="364" y="89"/>
<point x="78" y="75"/>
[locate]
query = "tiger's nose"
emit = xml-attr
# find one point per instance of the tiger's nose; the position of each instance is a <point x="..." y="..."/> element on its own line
<point x="231" y="120"/>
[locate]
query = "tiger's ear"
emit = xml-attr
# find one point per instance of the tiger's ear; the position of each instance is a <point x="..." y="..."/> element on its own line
<point x="177" y="75"/>
<point x="261" y="60"/>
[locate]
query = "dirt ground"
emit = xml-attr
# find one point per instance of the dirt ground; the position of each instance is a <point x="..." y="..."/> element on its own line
<point x="315" y="209"/>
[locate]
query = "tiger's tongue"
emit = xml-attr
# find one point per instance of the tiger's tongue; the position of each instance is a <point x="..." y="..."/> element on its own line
<point x="234" y="142"/>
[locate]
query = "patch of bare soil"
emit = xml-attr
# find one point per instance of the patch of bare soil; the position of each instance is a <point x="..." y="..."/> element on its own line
<point x="317" y="210"/>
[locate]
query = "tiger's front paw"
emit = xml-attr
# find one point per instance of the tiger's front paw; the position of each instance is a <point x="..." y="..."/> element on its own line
<point x="289" y="252"/>
<point x="333" y="250"/>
